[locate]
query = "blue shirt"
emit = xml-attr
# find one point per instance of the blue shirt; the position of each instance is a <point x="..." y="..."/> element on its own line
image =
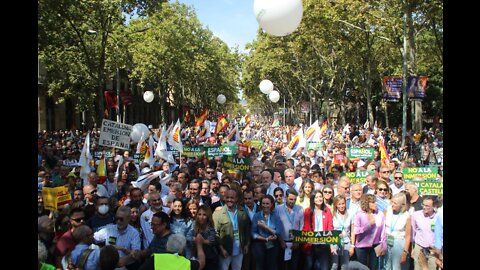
<point x="273" y="222"/>
<point x="184" y="227"/>
<point x="381" y="203"/>
<point x="129" y="238"/>
<point x="93" y="259"/>
<point x="289" y="221"/>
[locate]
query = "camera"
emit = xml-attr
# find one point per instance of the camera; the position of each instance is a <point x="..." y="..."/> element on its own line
<point x="426" y="251"/>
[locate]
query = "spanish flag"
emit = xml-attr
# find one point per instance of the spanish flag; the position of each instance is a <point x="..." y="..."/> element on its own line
<point x="186" y="119"/>
<point x="222" y="123"/>
<point x="102" y="170"/>
<point x="384" y="157"/>
<point x="324" y="127"/>
<point x="201" y="118"/>
<point x="247" y="119"/>
<point x="150" y="153"/>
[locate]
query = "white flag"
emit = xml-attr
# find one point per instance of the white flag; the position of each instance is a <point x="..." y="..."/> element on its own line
<point x="144" y="180"/>
<point x="85" y="159"/>
<point x="295" y="143"/>
<point x="161" y="151"/>
<point x="174" y="137"/>
<point x="313" y="133"/>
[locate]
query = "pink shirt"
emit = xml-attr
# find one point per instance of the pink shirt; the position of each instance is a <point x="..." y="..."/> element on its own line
<point x="368" y="235"/>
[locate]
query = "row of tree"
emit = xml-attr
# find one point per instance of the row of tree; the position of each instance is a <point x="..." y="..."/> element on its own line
<point x="160" y="46"/>
<point x="338" y="55"/>
<point x="341" y="51"/>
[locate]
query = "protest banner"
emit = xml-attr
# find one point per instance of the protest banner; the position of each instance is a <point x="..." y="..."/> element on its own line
<point x="315" y="145"/>
<point x="357" y="177"/>
<point x="233" y="163"/>
<point x="429" y="187"/>
<point x="221" y="151"/>
<point x="326" y="237"/>
<point x="197" y="151"/>
<point x="115" y="134"/>
<point x="362" y="153"/>
<point x="427" y="173"/>
<point x="55" y="197"/>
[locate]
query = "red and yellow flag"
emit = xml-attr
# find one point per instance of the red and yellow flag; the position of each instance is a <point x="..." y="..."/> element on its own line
<point x="222" y="123"/>
<point x="186" y="119"/>
<point x="384" y="157"/>
<point x="102" y="170"/>
<point x="201" y="118"/>
<point x="324" y="127"/>
<point x="247" y="119"/>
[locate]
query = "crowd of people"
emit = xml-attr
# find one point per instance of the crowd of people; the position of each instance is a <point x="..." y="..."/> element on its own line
<point x="196" y="214"/>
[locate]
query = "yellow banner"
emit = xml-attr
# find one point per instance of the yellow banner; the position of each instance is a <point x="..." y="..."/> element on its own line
<point x="55" y="197"/>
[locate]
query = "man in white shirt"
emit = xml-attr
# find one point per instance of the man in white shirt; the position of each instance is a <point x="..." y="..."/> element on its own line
<point x="398" y="184"/>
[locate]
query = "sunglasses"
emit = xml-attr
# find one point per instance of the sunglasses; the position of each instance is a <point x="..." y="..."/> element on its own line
<point x="398" y="177"/>
<point x="210" y="172"/>
<point x="78" y="219"/>
<point x="382" y="189"/>
<point x="93" y="192"/>
<point x="278" y="195"/>
<point x="328" y="192"/>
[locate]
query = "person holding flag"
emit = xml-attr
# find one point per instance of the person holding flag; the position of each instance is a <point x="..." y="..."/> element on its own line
<point x="174" y="138"/>
<point x="313" y="133"/>
<point x="222" y="123"/>
<point x="201" y="118"/>
<point x="297" y="142"/>
<point x="232" y="137"/>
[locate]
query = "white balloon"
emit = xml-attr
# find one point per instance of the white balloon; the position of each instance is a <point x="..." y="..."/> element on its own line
<point x="266" y="86"/>
<point x="274" y="96"/>
<point x="278" y="17"/>
<point x="221" y="99"/>
<point x="137" y="131"/>
<point x="148" y="96"/>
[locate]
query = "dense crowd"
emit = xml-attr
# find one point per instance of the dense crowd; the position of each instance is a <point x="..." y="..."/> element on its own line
<point x="197" y="214"/>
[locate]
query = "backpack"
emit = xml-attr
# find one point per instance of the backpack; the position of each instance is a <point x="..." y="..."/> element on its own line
<point x="81" y="261"/>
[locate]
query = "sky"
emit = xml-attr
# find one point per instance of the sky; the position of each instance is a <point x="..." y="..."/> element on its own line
<point x="232" y="21"/>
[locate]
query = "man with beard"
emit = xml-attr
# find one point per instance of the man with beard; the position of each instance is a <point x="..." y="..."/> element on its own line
<point x="156" y="204"/>
<point x="233" y="228"/>
<point x="123" y="235"/>
<point x="291" y="215"/>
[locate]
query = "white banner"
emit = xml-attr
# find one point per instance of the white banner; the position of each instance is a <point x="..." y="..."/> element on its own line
<point x="115" y="134"/>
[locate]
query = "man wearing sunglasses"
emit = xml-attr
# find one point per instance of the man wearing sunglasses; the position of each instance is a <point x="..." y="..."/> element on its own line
<point x="66" y="243"/>
<point x="385" y="173"/>
<point x="398" y="184"/>
<point x="122" y="235"/>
